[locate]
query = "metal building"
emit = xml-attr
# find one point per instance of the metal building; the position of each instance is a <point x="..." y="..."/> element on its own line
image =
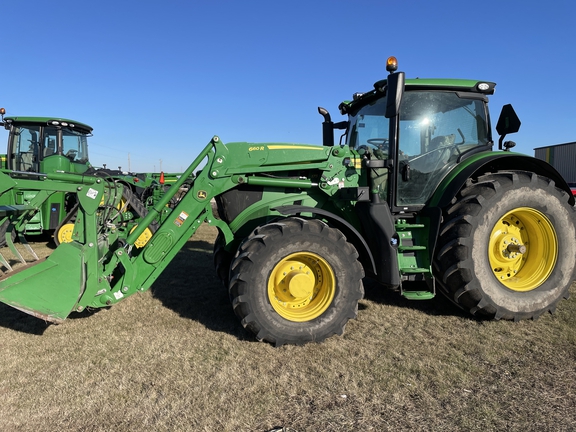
<point x="562" y="157"/>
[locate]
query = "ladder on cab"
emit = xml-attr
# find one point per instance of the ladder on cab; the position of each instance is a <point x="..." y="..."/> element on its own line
<point x="414" y="259"/>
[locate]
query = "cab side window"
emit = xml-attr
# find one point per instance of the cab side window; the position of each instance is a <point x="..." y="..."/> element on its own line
<point x="26" y="146"/>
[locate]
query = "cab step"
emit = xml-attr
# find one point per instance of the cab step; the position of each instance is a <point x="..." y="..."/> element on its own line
<point x="411" y="248"/>
<point x="400" y="225"/>
<point x="414" y="291"/>
<point x="414" y="270"/>
<point x="418" y="295"/>
<point x="413" y="260"/>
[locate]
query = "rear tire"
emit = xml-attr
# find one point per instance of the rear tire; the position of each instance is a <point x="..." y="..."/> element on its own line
<point x="296" y="281"/>
<point x="507" y="246"/>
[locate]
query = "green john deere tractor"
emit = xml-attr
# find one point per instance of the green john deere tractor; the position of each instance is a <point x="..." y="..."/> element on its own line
<point x="413" y="196"/>
<point x="39" y="145"/>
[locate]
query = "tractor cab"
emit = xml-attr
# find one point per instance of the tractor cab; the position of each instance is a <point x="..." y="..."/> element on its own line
<point x="44" y="144"/>
<point x="438" y="123"/>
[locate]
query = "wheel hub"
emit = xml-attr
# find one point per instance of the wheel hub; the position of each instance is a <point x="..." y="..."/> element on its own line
<point x="65" y="233"/>
<point x="301" y="287"/>
<point x="300" y="284"/>
<point x="523" y="249"/>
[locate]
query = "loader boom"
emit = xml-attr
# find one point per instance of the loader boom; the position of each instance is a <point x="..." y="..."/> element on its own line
<point x="112" y="267"/>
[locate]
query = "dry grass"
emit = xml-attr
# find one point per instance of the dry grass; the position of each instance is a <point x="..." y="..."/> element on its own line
<point x="176" y="359"/>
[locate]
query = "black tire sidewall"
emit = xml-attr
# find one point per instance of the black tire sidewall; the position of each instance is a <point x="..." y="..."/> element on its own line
<point x="280" y="243"/>
<point x="549" y="202"/>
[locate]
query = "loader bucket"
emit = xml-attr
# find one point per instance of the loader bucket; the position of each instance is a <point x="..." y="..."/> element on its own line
<point x="50" y="289"/>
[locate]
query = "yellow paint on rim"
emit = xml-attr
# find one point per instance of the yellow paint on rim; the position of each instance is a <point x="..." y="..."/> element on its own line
<point x="64" y="234"/>
<point x="523" y="249"/>
<point x="294" y="147"/>
<point x="120" y="206"/>
<point x="301" y="287"/>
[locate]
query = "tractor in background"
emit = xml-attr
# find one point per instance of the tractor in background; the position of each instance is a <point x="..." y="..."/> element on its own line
<point x="39" y="145"/>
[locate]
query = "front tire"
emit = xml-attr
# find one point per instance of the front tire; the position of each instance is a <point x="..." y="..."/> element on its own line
<point x="296" y="281"/>
<point x="222" y="260"/>
<point x="507" y="246"/>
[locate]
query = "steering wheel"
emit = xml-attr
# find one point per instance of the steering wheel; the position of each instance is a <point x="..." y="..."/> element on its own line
<point x="437" y="149"/>
<point x="71" y="153"/>
<point x="377" y="141"/>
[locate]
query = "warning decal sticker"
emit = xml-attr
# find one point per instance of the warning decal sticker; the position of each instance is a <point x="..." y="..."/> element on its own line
<point x="181" y="218"/>
<point x="92" y="193"/>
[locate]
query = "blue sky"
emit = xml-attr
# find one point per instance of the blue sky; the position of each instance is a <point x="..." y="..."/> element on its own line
<point x="157" y="80"/>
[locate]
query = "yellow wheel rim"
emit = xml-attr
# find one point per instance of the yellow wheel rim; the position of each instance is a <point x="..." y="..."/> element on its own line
<point x="523" y="249"/>
<point x="143" y="238"/>
<point x="65" y="233"/>
<point x="301" y="287"/>
<point x="120" y="206"/>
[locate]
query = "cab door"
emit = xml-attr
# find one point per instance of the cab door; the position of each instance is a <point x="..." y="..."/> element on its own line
<point x="23" y="154"/>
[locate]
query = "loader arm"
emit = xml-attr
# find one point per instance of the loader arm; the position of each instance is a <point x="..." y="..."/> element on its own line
<point x="226" y="168"/>
<point x="106" y="262"/>
<point x="102" y="265"/>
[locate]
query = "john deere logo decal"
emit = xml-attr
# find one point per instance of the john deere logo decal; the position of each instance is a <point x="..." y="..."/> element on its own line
<point x="201" y="194"/>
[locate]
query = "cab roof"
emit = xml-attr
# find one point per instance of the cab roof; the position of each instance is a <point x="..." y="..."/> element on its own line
<point x="467" y="85"/>
<point x="50" y="121"/>
<point x="440" y="84"/>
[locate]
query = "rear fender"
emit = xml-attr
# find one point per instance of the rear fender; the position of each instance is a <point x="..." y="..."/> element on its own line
<point x="476" y="166"/>
<point x="492" y="162"/>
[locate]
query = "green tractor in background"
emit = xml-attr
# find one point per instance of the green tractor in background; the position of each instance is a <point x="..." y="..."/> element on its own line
<point x="39" y="145"/>
<point x="413" y="196"/>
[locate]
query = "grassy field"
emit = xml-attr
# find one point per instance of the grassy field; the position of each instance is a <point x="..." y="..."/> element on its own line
<point x="176" y="359"/>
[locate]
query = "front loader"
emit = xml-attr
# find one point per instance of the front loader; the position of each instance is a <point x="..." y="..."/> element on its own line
<point x="412" y="196"/>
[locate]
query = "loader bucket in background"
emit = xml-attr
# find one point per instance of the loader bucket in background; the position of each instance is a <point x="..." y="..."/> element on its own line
<point x="50" y="289"/>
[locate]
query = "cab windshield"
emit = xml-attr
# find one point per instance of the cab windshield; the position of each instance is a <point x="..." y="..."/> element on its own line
<point x="74" y="145"/>
<point x="435" y="128"/>
<point x="30" y="144"/>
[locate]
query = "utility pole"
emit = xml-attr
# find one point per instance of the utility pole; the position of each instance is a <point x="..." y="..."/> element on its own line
<point x="129" y="170"/>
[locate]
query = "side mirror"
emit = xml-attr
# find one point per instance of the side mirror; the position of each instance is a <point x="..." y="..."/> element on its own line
<point x="395" y="90"/>
<point x="327" y="128"/>
<point x="508" y="123"/>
